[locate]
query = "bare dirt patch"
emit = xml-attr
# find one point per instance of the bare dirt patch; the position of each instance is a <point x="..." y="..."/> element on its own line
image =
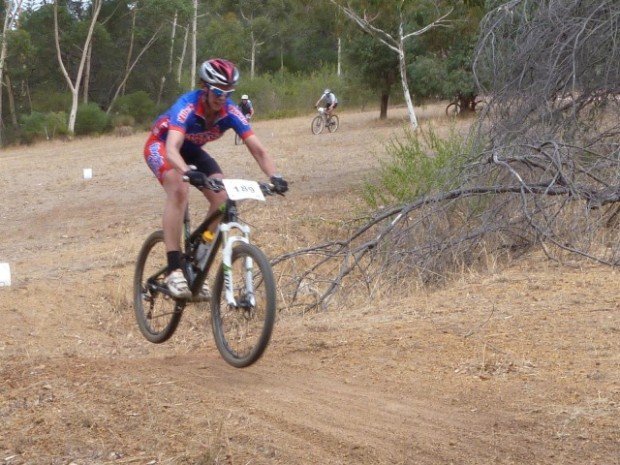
<point x="512" y="366"/>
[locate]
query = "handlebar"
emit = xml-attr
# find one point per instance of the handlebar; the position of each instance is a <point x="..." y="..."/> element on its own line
<point x="199" y="179"/>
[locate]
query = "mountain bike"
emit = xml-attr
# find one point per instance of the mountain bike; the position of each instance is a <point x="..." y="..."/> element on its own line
<point x="243" y="293"/>
<point x="465" y="102"/>
<point x="323" y="120"/>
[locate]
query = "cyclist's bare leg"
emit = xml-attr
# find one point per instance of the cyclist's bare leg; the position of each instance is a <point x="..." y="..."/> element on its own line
<point x="215" y="198"/>
<point x="176" y="201"/>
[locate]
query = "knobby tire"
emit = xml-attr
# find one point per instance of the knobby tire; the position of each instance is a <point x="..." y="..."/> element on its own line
<point x="157" y="314"/>
<point x="242" y="334"/>
<point x="332" y="123"/>
<point x="318" y="123"/>
<point x="453" y="109"/>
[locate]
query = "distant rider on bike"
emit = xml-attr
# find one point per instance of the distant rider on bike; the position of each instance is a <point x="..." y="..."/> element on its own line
<point x="246" y="106"/>
<point x="328" y="100"/>
<point x="175" y="142"/>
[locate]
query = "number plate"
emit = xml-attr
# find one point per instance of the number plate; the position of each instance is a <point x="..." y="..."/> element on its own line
<point x="239" y="189"/>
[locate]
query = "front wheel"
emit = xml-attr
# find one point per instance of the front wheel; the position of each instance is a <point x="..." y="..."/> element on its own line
<point x="157" y="314"/>
<point x="332" y="123"/>
<point x="453" y="109"/>
<point x="242" y="331"/>
<point x="318" y="123"/>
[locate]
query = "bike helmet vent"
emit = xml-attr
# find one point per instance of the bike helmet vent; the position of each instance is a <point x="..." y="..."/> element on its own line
<point x="219" y="72"/>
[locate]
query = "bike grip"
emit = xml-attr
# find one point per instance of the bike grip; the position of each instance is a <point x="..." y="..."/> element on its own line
<point x="189" y="168"/>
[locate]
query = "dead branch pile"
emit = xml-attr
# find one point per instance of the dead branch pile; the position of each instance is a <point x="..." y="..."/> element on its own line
<point x="543" y="171"/>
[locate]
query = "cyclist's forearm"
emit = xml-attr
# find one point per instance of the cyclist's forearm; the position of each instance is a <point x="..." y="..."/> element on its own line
<point x="262" y="157"/>
<point x="173" y="151"/>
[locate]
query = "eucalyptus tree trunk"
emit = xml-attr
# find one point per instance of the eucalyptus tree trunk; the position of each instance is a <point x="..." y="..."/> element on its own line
<point x="395" y="44"/>
<point x="194" y="33"/>
<point x="131" y="67"/>
<point x="87" y="73"/>
<point x="9" y="92"/>
<point x="169" y="70"/>
<point x="252" y="54"/>
<point x="11" y="11"/>
<point x="3" y="53"/>
<point x="402" y="66"/>
<point x="75" y="86"/>
<point x="339" y="71"/>
<point x="182" y="57"/>
<point x="130" y="51"/>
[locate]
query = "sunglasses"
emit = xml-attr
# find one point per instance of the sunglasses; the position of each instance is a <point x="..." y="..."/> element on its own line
<point x="219" y="92"/>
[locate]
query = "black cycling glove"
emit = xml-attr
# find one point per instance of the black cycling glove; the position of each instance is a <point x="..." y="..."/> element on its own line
<point x="280" y="186"/>
<point x="196" y="178"/>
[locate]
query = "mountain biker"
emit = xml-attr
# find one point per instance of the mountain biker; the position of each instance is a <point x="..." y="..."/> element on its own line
<point x="176" y="141"/>
<point x="328" y="100"/>
<point x="246" y="107"/>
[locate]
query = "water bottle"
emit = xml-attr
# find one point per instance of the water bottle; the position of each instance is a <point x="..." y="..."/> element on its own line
<point x="202" y="252"/>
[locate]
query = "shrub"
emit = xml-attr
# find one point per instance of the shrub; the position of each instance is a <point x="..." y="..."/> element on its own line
<point x="123" y="120"/>
<point x="137" y="105"/>
<point x="91" y="120"/>
<point x="418" y="164"/>
<point x="40" y="126"/>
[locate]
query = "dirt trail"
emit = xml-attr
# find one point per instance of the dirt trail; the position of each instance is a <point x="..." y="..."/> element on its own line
<point x="518" y="366"/>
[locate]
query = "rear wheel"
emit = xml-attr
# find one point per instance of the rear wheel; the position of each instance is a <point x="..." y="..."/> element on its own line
<point x="238" y="140"/>
<point x="318" y="123"/>
<point x="157" y="314"/>
<point x="242" y="331"/>
<point x="332" y="123"/>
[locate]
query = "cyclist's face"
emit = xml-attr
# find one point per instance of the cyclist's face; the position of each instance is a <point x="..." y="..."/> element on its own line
<point x="216" y="98"/>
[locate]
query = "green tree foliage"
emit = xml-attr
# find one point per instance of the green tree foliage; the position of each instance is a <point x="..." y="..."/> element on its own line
<point x="296" y="38"/>
<point x="138" y="105"/>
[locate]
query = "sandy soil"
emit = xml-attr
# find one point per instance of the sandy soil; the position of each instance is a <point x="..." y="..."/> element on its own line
<point x="519" y="365"/>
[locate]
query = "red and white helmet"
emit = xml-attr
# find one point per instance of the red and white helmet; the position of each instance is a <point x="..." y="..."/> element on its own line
<point x="219" y="72"/>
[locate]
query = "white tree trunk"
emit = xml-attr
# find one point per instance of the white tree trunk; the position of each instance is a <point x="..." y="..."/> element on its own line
<point x="402" y="64"/>
<point x="11" y="12"/>
<point x="87" y="74"/>
<point x="182" y="57"/>
<point x="162" y="82"/>
<point x="131" y="40"/>
<point x="75" y="87"/>
<point x="4" y="51"/>
<point x="339" y="71"/>
<point x="253" y="54"/>
<point x="172" y="37"/>
<point x="9" y="93"/>
<point x="194" y="33"/>
<point x="131" y="67"/>
<point x="395" y="45"/>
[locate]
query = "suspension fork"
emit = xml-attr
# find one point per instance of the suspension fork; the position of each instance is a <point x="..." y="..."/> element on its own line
<point x="229" y="241"/>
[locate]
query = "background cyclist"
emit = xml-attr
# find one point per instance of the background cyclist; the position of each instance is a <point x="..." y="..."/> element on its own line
<point x="176" y="141"/>
<point x="328" y="100"/>
<point x="246" y="107"/>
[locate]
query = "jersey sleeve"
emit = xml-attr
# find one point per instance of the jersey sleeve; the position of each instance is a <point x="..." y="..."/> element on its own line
<point x="179" y="114"/>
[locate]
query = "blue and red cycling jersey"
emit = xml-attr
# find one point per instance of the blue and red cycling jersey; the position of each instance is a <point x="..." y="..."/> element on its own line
<point x="187" y="116"/>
